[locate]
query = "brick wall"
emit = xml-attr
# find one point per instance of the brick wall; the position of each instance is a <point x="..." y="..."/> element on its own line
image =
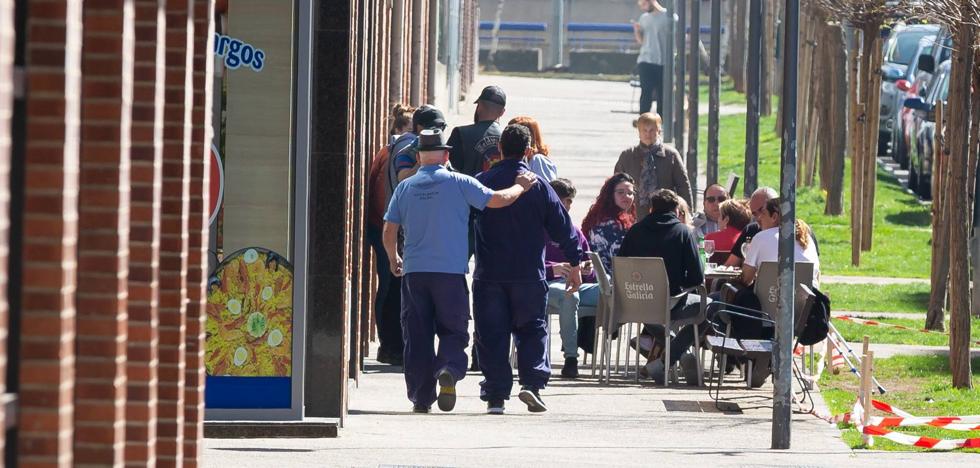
<point x="144" y="235"/>
<point x="6" y="112"/>
<point x="50" y="233"/>
<point x="103" y="241"/>
<point x="197" y="265"/>
<point x="173" y="232"/>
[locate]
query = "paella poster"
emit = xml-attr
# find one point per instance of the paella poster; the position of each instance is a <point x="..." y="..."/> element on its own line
<point x="249" y="330"/>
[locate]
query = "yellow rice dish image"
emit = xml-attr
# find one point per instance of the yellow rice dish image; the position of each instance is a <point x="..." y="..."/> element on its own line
<point x="250" y="316"/>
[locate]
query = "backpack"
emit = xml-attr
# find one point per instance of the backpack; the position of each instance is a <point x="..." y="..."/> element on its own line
<point x="817" y="322"/>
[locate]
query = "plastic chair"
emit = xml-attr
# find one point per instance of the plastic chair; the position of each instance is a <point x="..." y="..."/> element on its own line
<point x="641" y="294"/>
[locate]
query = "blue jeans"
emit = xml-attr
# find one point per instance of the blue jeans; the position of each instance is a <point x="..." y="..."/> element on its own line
<point x="568" y="311"/>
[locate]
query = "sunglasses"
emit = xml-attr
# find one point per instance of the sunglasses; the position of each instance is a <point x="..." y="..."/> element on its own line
<point x="717" y="199"/>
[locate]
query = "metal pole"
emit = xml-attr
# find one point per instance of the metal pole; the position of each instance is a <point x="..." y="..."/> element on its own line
<point x="417" y="59"/>
<point x="713" y="93"/>
<point x="679" y="43"/>
<point x="433" y="58"/>
<point x="782" y="410"/>
<point x="454" y="52"/>
<point x="754" y="89"/>
<point x="694" y="53"/>
<point x="558" y="32"/>
<point x="395" y="91"/>
<point x="665" y="103"/>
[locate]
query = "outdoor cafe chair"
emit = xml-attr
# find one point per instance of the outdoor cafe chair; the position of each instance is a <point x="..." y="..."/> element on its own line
<point x="731" y="321"/>
<point x="641" y="295"/>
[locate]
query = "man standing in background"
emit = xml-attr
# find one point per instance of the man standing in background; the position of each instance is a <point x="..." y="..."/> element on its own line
<point x="653" y="23"/>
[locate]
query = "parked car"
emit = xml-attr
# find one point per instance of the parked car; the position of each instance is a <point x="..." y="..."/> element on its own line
<point x="941" y="50"/>
<point x="893" y="98"/>
<point x="899" y="51"/>
<point x="923" y="127"/>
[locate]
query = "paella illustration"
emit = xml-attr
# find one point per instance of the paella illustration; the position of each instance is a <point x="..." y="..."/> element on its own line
<point x="250" y="315"/>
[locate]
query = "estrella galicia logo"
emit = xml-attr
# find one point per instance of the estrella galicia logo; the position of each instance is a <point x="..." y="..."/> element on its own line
<point x="238" y="54"/>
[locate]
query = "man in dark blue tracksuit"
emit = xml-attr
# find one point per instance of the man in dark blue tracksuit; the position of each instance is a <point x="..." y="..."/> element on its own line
<point x="509" y="288"/>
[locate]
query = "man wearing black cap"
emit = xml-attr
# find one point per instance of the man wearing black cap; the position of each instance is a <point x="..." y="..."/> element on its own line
<point x="403" y="162"/>
<point x="433" y="208"/>
<point x="475" y="146"/>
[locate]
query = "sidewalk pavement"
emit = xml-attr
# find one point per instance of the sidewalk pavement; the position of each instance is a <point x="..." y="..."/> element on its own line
<point x="587" y="425"/>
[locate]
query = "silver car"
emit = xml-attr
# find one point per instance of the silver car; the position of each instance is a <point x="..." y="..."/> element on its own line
<point x="901" y="49"/>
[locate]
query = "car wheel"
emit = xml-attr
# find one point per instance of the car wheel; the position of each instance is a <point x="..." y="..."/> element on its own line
<point x="913" y="179"/>
<point x="898" y="153"/>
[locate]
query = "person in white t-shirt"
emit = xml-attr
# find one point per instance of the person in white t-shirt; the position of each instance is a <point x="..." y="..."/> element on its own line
<point x="765" y="245"/>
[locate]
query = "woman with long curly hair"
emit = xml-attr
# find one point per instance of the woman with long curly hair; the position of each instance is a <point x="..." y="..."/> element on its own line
<point x="540" y="163"/>
<point x="612" y="214"/>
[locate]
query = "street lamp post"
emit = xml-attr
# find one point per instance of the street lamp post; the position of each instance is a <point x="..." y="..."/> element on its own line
<point x="782" y="410"/>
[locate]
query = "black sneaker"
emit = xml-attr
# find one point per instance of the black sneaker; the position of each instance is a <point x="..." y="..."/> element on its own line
<point x="447" y="390"/>
<point x="570" y="369"/>
<point x="420" y="409"/>
<point x="532" y="399"/>
<point x="495" y="407"/>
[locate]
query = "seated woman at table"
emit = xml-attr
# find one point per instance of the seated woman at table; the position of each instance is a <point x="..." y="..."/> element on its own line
<point x="557" y="269"/>
<point x="734" y="216"/>
<point x="612" y="214"/>
<point x="765" y="245"/>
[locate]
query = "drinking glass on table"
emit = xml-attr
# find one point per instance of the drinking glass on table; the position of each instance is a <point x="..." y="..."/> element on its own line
<point x="709" y="247"/>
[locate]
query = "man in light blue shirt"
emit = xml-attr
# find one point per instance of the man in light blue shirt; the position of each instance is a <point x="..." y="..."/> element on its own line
<point x="432" y="208"/>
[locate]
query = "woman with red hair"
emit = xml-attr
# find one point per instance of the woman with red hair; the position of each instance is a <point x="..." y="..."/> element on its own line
<point x="540" y="163"/>
<point x="612" y="214"/>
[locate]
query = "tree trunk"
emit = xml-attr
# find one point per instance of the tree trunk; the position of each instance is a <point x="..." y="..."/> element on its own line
<point x="768" y="57"/>
<point x="837" y="112"/>
<point x="959" y="254"/>
<point x="939" y="277"/>
<point x="856" y="134"/>
<point x="872" y="99"/>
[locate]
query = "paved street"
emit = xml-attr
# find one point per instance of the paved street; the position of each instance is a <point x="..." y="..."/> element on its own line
<point x="587" y="124"/>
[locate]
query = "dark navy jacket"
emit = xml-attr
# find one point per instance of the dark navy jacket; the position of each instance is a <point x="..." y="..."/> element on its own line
<point x="510" y="241"/>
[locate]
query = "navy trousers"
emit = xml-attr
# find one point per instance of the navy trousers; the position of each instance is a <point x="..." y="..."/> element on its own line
<point x="503" y="309"/>
<point x="387" y="300"/>
<point x="433" y="304"/>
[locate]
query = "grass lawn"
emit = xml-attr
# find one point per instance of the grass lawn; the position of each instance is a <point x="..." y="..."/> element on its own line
<point x="913" y="298"/>
<point x="854" y="332"/>
<point x="917" y="384"/>
<point x="901" y="231"/>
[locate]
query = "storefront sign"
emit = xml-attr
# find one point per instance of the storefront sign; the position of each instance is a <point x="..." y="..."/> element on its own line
<point x="238" y="53"/>
<point x="248" y="354"/>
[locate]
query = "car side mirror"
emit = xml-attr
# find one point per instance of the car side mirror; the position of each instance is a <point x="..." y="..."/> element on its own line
<point x="903" y="85"/>
<point x="917" y="103"/>
<point x="927" y="63"/>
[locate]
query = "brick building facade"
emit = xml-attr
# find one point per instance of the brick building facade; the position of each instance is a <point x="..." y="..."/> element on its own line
<point x="105" y="140"/>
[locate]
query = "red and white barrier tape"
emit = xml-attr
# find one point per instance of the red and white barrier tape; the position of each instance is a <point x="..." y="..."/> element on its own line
<point x="878" y="426"/>
<point x="875" y="323"/>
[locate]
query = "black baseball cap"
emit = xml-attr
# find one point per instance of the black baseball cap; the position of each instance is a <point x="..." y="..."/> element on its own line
<point x="428" y="117"/>
<point x="430" y="139"/>
<point x="494" y="94"/>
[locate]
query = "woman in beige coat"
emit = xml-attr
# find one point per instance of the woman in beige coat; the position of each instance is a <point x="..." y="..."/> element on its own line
<point x="653" y="165"/>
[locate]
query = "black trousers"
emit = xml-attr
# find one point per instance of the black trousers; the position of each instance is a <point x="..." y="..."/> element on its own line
<point x="651" y="86"/>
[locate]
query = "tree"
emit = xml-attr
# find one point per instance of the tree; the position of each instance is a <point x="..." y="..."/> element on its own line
<point x="962" y="18"/>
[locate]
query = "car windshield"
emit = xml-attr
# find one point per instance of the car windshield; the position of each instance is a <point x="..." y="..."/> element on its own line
<point x="902" y="46"/>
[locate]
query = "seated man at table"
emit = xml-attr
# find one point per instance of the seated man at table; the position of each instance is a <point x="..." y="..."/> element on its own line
<point x="662" y="235"/>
